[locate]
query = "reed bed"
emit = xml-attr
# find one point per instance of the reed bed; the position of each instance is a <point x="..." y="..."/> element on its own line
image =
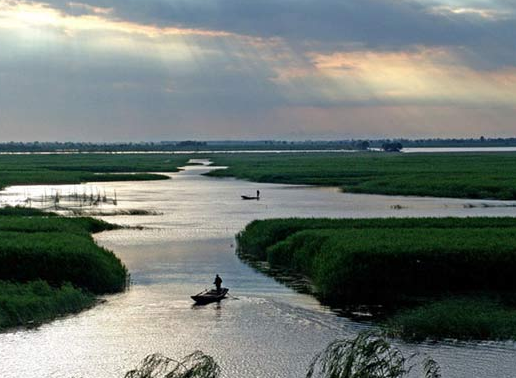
<point x="419" y="264"/>
<point x="261" y="234"/>
<point x="34" y="302"/>
<point x="466" y="318"/>
<point x="59" y="257"/>
<point x="459" y="175"/>
<point x="384" y="265"/>
<point x="50" y="265"/>
<point x="23" y="211"/>
<point x="78" y="226"/>
<point x="384" y="260"/>
<point x="78" y="168"/>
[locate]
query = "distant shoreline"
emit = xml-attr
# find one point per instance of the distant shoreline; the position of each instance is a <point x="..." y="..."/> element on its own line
<point x="407" y="150"/>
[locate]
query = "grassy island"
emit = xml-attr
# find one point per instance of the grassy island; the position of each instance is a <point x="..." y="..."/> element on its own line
<point x="78" y="168"/>
<point x="436" y="270"/>
<point x="458" y="175"/>
<point x="50" y="265"/>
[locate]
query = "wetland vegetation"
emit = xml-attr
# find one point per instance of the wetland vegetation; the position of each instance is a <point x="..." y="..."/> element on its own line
<point x="476" y="317"/>
<point x="459" y="175"/>
<point x="368" y="355"/>
<point x="50" y="265"/>
<point x="419" y="264"/>
<point x="78" y="168"/>
<point x="34" y="302"/>
<point x="426" y="267"/>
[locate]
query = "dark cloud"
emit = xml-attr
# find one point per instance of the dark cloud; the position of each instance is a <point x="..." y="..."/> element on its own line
<point x="72" y="86"/>
<point x="369" y="21"/>
<point x="333" y="24"/>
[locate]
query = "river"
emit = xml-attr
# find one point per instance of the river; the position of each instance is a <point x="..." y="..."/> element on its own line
<point x="264" y="330"/>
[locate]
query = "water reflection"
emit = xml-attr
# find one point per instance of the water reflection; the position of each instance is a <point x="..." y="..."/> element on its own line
<point x="270" y="331"/>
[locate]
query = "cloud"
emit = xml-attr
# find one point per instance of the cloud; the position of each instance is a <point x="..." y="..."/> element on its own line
<point x="161" y="69"/>
<point x="378" y="24"/>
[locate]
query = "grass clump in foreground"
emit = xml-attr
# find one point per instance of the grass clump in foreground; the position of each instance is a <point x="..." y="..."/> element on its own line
<point x="50" y="265"/>
<point x="195" y="365"/>
<point x="459" y="175"/>
<point x="368" y="355"/>
<point x="396" y="262"/>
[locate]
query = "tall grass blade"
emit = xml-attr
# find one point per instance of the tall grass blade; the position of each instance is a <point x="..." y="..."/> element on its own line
<point x="195" y="365"/>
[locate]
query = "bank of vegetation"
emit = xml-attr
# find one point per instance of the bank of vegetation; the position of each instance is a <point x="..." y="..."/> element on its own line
<point x="473" y="317"/>
<point x="50" y="266"/>
<point x="197" y="145"/>
<point x="430" y="267"/>
<point x="459" y="175"/>
<point x="78" y="168"/>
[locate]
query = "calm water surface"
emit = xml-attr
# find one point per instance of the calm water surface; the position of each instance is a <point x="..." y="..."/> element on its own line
<point x="269" y="331"/>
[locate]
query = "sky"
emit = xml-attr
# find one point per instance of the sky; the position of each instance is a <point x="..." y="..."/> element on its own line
<point x="150" y="70"/>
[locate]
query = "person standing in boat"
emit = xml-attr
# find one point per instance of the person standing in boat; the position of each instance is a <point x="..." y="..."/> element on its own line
<point x="218" y="283"/>
<point x="257" y="194"/>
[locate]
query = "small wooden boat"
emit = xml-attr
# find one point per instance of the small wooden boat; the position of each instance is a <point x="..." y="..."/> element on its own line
<point x="250" y="198"/>
<point x="209" y="296"/>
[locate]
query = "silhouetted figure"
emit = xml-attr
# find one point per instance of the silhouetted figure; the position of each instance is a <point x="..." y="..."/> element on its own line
<point x="217" y="283"/>
<point x="257" y="194"/>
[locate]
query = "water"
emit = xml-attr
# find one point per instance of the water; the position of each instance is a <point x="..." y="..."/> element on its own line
<point x="266" y="151"/>
<point x="270" y="331"/>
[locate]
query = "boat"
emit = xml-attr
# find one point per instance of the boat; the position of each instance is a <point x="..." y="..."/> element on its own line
<point x="209" y="296"/>
<point x="250" y="198"/>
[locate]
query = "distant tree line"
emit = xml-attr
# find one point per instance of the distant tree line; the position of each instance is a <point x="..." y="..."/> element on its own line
<point x="453" y="142"/>
<point x="392" y="146"/>
<point x="187" y="145"/>
<point x="191" y="143"/>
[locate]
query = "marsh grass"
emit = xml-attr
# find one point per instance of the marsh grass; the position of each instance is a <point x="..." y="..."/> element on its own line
<point x="59" y="257"/>
<point x="383" y="265"/>
<point x="465" y="175"/>
<point x="474" y="318"/>
<point x="384" y="260"/>
<point x="78" y="168"/>
<point x="35" y="302"/>
<point x="50" y="265"/>
<point x="368" y="355"/>
<point x="261" y="234"/>
<point x="24" y="211"/>
<point x="58" y="250"/>
<point x="421" y="265"/>
<point x="78" y="226"/>
<point x="195" y="365"/>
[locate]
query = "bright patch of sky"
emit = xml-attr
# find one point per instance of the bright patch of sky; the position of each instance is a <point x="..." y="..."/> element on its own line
<point x="176" y="69"/>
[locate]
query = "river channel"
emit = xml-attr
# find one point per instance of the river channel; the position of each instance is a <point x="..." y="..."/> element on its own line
<point x="264" y="330"/>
